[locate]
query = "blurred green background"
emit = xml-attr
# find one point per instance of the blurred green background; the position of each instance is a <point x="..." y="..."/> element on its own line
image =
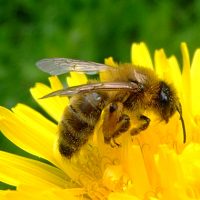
<point x="85" y="29"/>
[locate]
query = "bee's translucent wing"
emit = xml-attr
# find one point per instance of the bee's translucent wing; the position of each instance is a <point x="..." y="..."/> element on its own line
<point x="104" y="86"/>
<point x="57" y="66"/>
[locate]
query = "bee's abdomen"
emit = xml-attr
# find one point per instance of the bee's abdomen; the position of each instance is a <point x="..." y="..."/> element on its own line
<point x="78" y="122"/>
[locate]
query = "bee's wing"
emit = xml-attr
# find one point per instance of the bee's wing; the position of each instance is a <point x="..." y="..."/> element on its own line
<point x="57" y="66"/>
<point x="103" y="86"/>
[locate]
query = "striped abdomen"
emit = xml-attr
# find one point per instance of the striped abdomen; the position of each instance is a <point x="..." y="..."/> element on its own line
<point x="78" y="122"/>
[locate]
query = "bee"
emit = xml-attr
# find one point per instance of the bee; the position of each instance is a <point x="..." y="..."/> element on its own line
<point x="127" y="88"/>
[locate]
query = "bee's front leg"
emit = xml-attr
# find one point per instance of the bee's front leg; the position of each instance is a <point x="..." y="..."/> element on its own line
<point x="145" y="123"/>
<point x="115" y="123"/>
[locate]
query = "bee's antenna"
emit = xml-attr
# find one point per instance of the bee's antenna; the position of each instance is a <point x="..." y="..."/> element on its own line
<point x="179" y="109"/>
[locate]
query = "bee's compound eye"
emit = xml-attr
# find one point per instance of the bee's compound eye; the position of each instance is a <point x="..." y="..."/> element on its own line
<point x="164" y="93"/>
<point x="163" y="96"/>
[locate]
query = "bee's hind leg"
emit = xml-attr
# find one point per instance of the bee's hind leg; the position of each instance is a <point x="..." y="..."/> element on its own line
<point x="115" y="123"/>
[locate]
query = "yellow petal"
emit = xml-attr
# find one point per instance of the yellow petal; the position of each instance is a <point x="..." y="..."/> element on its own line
<point x="34" y="118"/>
<point x="54" y="106"/>
<point x="74" y="193"/>
<point x="16" y="170"/>
<point x="41" y="194"/>
<point x="171" y="174"/>
<point x="110" y="62"/>
<point x="175" y="74"/>
<point x="160" y="63"/>
<point x="55" y="83"/>
<point x="191" y="168"/>
<point x="23" y="131"/>
<point x="140" y="55"/>
<point x="195" y="82"/>
<point x="76" y="79"/>
<point x="186" y="78"/>
<point x="168" y="69"/>
<point x="120" y="196"/>
<point x="103" y="75"/>
<point x="137" y="171"/>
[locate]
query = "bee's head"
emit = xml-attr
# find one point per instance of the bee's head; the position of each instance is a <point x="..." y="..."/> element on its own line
<point x="167" y="103"/>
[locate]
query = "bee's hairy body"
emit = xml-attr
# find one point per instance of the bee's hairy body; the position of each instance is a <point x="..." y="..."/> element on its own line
<point x="124" y="92"/>
<point x="80" y="117"/>
<point x="78" y="123"/>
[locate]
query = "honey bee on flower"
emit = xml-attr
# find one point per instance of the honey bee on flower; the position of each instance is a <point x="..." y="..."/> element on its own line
<point x="154" y="164"/>
<point x="129" y="88"/>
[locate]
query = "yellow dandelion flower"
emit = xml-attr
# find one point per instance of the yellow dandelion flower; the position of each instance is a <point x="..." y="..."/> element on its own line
<point x="154" y="164"/>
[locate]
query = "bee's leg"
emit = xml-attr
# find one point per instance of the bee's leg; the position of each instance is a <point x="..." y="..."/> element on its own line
<point x="122" y="126"/>
<point x="112" y="142"/>
<point x="115" y="123"/>
<point x="145" y="123"/>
